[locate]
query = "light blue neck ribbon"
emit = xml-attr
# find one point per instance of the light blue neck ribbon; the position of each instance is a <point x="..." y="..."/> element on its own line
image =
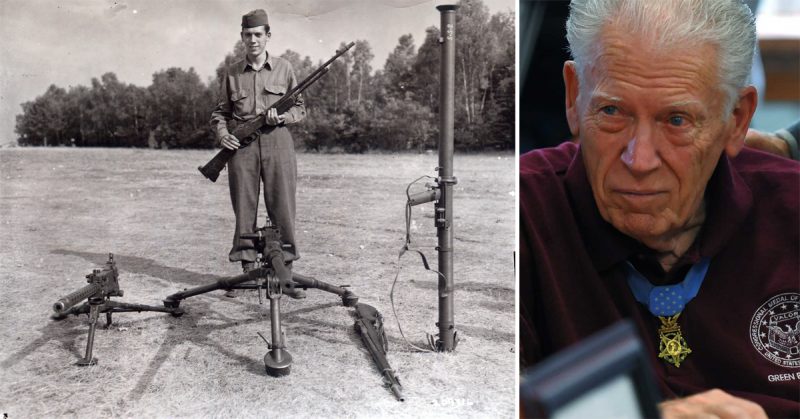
<point x="667" y="300"/>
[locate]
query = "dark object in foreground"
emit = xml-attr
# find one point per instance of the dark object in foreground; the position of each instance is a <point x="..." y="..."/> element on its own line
<point x="103" y="284"/>
<point x="442" y="191"/>
<point x="247" y="132"/>
<point x="606" y="375"/>
<point x="369" y="325"/>
<point x="271" y="275"/>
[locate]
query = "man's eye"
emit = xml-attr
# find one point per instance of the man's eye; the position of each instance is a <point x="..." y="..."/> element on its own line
<point x="609" y="110"/>
<point x="676" y="120"/>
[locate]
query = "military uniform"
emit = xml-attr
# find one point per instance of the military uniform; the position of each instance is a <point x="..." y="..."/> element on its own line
<point x="245" y="92"/>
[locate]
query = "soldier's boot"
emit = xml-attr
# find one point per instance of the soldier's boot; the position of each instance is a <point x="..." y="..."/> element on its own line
<point x="246" y="267"/>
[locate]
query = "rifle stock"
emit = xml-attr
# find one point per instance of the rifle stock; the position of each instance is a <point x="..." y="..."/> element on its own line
<point x="248" y="131"/>
<point x="216" y="164"/>
<point x="369" y="325"/>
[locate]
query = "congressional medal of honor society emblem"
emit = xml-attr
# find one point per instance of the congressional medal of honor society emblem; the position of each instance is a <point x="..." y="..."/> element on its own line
<point x="775" y="330"/>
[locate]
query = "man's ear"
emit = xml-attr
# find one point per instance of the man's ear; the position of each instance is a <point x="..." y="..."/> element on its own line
<point x="742" y="113"/>
<point x="571" y="85"/>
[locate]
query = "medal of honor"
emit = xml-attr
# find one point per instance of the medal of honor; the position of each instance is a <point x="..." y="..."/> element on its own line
<point x="667" y="303"/>
<point x="672" y="347"/>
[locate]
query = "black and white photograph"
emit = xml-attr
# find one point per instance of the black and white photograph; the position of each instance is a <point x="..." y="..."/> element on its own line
<point x="258" y="208"/>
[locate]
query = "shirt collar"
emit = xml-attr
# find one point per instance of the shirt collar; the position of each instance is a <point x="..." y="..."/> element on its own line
<point x="728" y="201"/>
<point x="268" y="64"/>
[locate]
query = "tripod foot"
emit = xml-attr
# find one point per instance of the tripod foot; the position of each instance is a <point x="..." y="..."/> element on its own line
<point x="175" y="306"/>
<point x="278" y="362"/>
<point x="349" y="299"/>
<point x="86" y="362"/>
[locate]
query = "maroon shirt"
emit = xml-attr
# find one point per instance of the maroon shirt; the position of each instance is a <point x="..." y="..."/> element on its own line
<point x="743" y="327"/>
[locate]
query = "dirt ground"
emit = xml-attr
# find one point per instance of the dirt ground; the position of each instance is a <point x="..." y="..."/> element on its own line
<point x="63" y="210"/>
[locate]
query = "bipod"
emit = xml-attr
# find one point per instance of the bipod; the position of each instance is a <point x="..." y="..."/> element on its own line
<point x="97" y="305"/>
<point x="103" y="283"/>
<point x="276" y="278"/>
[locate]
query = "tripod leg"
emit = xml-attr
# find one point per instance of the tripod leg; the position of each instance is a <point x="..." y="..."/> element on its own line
<point x="120" y="307"/>
<point x="94" y="313"/>
<point x="278" y="362"/>
<point x="349" y="299"/>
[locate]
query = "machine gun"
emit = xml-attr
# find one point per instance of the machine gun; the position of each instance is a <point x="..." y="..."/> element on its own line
<point x="249" y="131"/>
<point x="271" y="275"/>
<point x="103" y="284"/>
<point x="369" y="325"/>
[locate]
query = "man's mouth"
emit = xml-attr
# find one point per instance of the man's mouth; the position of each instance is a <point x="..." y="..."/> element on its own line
<point x="641" y="197"/>
<point x="639" y="192"/>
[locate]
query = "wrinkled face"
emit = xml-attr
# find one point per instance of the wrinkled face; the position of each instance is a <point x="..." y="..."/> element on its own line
<point x="652" y="127"/>
<point x="255" y="40"/>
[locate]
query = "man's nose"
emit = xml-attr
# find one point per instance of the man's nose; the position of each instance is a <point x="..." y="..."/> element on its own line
<point x="641" y="155"/>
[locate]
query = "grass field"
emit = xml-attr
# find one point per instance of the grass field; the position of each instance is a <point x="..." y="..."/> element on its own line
<point x="63" y="210"/>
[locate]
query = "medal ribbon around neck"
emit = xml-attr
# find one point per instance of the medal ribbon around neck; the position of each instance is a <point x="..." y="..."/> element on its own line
<point x="667" y="302"/>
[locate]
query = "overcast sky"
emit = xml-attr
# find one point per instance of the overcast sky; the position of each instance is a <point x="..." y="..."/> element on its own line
<point x="66" y="43"/>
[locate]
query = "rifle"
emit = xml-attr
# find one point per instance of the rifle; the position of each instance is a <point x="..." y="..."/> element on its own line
<point x="369" y="324"/>
<point x="249" y="131"/>
<point x="103" y="284"/>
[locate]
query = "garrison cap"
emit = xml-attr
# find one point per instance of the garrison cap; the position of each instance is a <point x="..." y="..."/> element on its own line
<point x="255" y="18"/>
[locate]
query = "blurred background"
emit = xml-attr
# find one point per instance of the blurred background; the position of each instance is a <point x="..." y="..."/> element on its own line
<point x="543" y="50"/>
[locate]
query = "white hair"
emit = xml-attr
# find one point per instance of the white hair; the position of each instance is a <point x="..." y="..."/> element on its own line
<point x="726" y="24"/>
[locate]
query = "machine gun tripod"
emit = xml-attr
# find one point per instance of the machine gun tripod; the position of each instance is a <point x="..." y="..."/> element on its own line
<point x="103" y="284"/>
<point x="272" y="275"/>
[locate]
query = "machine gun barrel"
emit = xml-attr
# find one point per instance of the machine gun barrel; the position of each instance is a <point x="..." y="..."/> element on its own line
<point x="64" y="303"/>
<point x="248" y="131"/>
<point x="102" y="283"/>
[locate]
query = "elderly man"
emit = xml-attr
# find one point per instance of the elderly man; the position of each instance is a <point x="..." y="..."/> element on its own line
<point x="660" y="215"/>
<point x="249" y="88"/>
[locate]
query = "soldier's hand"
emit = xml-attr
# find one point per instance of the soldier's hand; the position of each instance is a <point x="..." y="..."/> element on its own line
<point x="273" y="118"/>
<point x="768" y="142"/>
<point x="711" y="404"/>
<point x="230" y="142"/>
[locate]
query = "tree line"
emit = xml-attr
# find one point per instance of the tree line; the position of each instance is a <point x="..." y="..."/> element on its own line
<point x="354" y="108"/>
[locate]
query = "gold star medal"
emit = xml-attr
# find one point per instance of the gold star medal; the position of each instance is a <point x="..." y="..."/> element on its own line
<point x="672" y="347"/>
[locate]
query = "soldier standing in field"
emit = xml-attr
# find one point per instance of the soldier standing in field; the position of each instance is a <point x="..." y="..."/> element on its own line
<point x="249" y="88"/>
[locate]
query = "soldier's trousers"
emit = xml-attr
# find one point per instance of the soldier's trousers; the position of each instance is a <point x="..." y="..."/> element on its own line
<point x="269" y="160"/>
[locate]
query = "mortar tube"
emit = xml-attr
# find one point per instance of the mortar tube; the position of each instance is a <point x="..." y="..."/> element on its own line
<point x="444" y="206"/>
